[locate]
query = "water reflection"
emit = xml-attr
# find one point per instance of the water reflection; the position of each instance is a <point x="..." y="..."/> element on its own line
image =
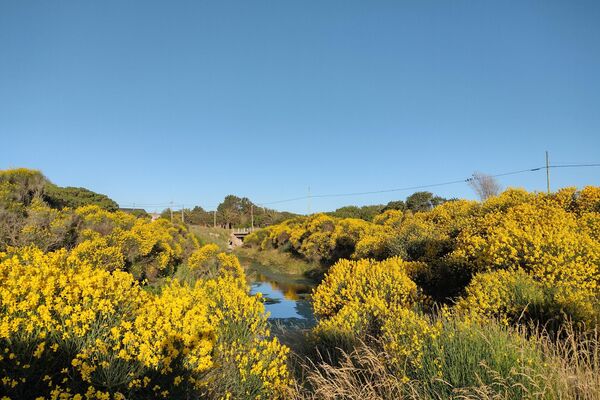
<point x="289" y="287"/>
<point x="287" y="297"/>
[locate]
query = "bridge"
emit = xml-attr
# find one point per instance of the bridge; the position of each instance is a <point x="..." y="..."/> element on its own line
<point x="238" y="235"/>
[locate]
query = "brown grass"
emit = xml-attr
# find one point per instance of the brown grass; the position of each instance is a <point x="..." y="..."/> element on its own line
<point x="573" y="372"/>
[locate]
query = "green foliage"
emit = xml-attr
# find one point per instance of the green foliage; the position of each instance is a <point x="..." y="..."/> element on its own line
<point x="21" y="186"/>
<point x="73" y="197"/>
<point x="395" y="205"/>
<point x="465" y="356"/>
<point x="136" y="212"/>
<point x="28" y="210"/>
<point x="233" y="212"/>
<point x="423" y="201"/>
<point x="366" y="213"/>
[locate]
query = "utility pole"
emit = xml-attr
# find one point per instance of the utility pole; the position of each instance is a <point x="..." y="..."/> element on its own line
<point x="182" y="216"/>
<point x="215" y="219"/>
<point x="309" y="200"/>
<point x="252" y="215"/>
<point x="547" y="172"/>
<point x="171" y="208"/>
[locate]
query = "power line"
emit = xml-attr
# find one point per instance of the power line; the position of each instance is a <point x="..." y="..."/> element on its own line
<point x="453" y="182"/>
<point x="575" y="165"/>
<point x="417" y="187"/>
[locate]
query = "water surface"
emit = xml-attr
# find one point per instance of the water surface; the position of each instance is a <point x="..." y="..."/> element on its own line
<point x="287" y="297"/>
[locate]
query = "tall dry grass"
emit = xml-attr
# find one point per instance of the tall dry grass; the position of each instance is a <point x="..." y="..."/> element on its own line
<point x="571" y="370"/>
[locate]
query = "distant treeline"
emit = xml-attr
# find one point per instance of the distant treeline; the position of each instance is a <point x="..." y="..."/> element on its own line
<point x="237" y="211"/>
<point x="418" y="201"/>
<point x="21" y="186"/>
<point x="234" y="211"/>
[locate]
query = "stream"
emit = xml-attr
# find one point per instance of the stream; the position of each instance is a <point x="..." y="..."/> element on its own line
<point x="286" y="297"/>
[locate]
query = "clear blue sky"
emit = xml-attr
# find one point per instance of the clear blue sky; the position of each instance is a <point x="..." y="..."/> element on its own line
<point x="150" y="101"/>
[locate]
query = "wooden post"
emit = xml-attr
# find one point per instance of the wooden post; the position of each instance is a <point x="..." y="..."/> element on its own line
<point x="547" y="173"/>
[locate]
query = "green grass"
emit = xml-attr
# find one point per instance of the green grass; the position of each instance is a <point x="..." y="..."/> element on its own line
<point x="487" y="361"/>
<point x="277" y="261"/>
<point x="467" y="356"/>
<point x="206" y="235"/>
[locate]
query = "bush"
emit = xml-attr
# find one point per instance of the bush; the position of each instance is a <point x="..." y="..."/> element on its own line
<point x="360" y="281"/>
<point x="515" y="296"/>
<point x="68" y="328"/>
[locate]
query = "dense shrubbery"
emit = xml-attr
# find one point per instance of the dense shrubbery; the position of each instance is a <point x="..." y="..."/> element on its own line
<point x="323" y="238"/>
<point x="503" y="269"/>
<point x="68" y="328"/>
<point x="76" y="321"/>
<point x="72" y="197"/>
<point x="550" y="243"/>
<point x="430" y="299"/>
<point x="376" y="304"/>
<point x="18" y="187"/>
<point x="112" y="240"/>
<point x="35" y="211"/>
<point x="104" y="238"/>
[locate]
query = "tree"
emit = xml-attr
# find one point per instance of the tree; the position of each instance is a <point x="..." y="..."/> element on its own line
<point x="395" y="205"/>
<point x="423" y="201"/>
<point x="484" y="185"/>
<point x="365" y="212"/>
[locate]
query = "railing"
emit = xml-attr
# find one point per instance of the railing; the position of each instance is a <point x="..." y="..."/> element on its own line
<point x="243" y="230"/>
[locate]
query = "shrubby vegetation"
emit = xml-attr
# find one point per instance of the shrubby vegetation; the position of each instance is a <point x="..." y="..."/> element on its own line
<point x="426" y="298"/>
<point x="69" y="328"/>
<point x="418" y="201"/>
<point x="20" y="186"/>
<point x="365" y="212"/>
<point x="460" y="299"/>
<point x="99" y="304"/>
<point x="72" y="197"/>
<point x="550" y="239"/>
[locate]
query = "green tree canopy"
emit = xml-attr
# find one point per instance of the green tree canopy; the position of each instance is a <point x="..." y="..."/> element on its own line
<point x="73" y="197"/>
<point x="423" y="201"/>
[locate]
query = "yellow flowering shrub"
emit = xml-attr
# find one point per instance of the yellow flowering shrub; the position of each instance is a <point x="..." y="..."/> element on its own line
<point x="544" y="255"/>
<point x="416" y="238"/>
<point x="389" y="218"/>
<point x="513" y="295"/>
<point x="323" y="238"/>
<point x="103" y="221"/>
<point x="590" y="224"/>
<point x="542" y="239"/>
<point x="356" y="281"/>
<point x="452" y="216"/>
<point x="405" y="335"/>
<point x="47" y="228"/>
<point x="99" y="254"/>
<point x="509" y="198"/>
<point x="507" y="295"/>
<point x="585" y="200"/>
<point x="70" y="329"/>
<point x="422" y="236"/>
<point x="366" y="299"/>
<point x="147" y="249"/>
<point x="208" y="262"/>
<point x="201" y="259"/>
<point x="588" y="199"/>
<point x="565" y="198"/>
